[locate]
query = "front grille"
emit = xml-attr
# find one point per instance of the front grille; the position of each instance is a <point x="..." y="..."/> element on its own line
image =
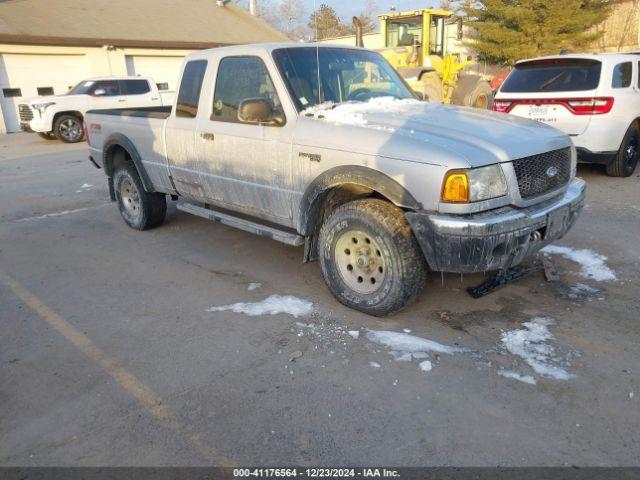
<point x="26" y="114"/>
<point x="543" y="173"/>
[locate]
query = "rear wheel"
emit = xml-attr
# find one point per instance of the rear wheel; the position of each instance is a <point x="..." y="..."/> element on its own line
<point x="473" y="91"/>
<point x="369" y="257"/>
<point x="140" y="209"/>
<point x="47" y="135"/>
<point x="68" y="129"/>
<point x="626" y="160"/>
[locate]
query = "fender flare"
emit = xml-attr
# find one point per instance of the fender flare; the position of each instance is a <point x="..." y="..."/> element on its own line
<point x="120" y="140"/>
<point x="350" y="174"/>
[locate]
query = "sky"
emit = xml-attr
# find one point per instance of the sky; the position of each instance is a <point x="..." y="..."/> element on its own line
<point x="349" y="8"/>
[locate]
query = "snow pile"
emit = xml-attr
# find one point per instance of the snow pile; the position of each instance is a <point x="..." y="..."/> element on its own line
<point x="405" y="348"/>
<point x="517" y="376"/>
<point x="405" y="343"/>
<point x="354" y="113"/>
<point x="529" y="344"/>
<point x="592" y="264"/>
<point x="272" y="305"/>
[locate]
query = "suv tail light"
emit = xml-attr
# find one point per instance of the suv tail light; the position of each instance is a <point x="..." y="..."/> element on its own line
<point x="577" y="106"/>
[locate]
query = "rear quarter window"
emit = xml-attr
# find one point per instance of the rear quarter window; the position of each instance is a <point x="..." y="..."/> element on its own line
<point x="557" y="75"/>
<point x="190" y="86"/>
<point x="622" y="75"/>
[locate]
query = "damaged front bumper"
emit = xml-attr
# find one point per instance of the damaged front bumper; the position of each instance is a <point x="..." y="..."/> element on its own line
<point x="497" y="239"/>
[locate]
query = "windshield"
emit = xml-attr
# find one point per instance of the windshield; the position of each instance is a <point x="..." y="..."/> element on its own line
<point x="82" y="88"/>
<point x="404" y="32"/>
<point x="345" y="75"/>
<point x="557" y="75"/>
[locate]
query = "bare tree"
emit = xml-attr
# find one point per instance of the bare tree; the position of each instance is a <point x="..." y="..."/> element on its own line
<point x="292" y="19"/>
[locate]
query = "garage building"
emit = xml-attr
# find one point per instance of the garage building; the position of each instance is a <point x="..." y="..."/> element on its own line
<point x="47" y="46"/>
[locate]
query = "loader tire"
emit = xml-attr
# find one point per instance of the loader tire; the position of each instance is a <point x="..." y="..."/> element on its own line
<point x="473" y="91"/>
<point x="370" y="258"/>
<point x="432" y="87"/>
<point x="140" y="209"/>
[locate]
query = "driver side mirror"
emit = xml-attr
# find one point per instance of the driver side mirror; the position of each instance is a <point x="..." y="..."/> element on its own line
<point x="259" y="110"/>
<point x="99" y="92"/>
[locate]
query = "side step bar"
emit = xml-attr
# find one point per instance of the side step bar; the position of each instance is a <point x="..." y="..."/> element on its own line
<point x="256" y="228"/>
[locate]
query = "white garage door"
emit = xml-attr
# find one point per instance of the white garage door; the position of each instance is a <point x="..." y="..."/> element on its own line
<point x="163" y="70"/>
<point x="23" y="76"/>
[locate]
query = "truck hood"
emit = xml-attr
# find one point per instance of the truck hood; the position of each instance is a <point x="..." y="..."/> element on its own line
<point x="59" y="99"/>
<point x="456" y="137"/>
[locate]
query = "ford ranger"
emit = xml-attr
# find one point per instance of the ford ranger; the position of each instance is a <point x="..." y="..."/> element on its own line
<point x="60" y="116"/>
<point x="327" y="147"/>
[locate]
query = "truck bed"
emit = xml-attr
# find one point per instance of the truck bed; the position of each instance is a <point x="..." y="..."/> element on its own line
<point x="161" y="112"/>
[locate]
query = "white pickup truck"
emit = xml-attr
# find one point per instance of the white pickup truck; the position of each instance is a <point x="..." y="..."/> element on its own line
<point x="345" y="160"/>
<point x="60" y="116"/>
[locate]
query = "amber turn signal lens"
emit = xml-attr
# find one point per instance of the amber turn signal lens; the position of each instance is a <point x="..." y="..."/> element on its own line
<point x="456" y="188"/>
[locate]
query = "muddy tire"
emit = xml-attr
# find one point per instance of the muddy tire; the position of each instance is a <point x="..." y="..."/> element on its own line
<point x="369" y="257"/>
<point x="432" y="87"/>
<point x="626" y="160"/>
<point x="473" y="91"/>
<point x="47" y="135"/>
<point x="139" y="209"/>
<point x="68" y="129"/>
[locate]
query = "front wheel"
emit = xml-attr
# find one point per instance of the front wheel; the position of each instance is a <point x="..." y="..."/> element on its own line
<point x="68" y="129"/>
<point x="369" y="257"/>
<point x="140" y="209"/>
<point x="626" y="160"/>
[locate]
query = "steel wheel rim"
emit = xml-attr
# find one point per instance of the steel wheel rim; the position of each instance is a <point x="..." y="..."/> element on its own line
<point x="482" y="102"/>
<point x="360" y="262"/>
<point x="70" y="129"/>
<point x="130" y="198"/>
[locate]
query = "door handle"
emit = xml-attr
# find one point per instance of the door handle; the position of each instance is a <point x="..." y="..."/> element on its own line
<point x="122" y="100"/>
<point x="209" y="137"/>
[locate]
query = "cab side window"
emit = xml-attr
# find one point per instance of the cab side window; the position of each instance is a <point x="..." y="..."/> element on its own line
<point x="135" y="87"/>
<point x="190" y="86"/>
<point x="622" y="75"/>
<point x="111" y="88"/>
<point x="239" y="79"/>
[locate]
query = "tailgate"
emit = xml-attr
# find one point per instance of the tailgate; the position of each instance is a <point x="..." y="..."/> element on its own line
<point x="561" y="92"/>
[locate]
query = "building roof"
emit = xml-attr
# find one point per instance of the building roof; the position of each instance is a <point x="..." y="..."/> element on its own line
<point x="188" y="24"/>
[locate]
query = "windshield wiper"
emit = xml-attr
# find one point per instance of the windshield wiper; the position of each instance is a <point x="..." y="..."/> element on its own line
<point x="548" y="83"/>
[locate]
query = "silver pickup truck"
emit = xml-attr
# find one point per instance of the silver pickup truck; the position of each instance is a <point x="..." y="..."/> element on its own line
<point x="327" y="147"/>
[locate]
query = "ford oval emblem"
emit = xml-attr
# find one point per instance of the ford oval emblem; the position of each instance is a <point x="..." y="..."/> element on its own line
<point x="552" y="172"/>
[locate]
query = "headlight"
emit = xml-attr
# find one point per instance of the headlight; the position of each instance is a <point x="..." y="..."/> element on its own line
<point x="41" y="107"/>
<point x="474" y="185"/>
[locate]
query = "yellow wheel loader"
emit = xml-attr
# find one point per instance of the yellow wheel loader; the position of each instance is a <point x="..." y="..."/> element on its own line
<point x="415" y="44"/>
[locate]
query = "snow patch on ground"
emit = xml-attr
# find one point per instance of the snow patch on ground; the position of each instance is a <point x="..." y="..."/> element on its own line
<point x="517" y="376"/>
<point x="375" y="364"/>
<point x="353" y="113"/>
<point x="273" y="305"/>
<point x="84" y="187"/>
<point x="50" y="215"/>
<point x="592" y="264"/>
<point x="529" y="344"/>
<point x="403" y="342"/>
<point x="254" y="286"/>
<point x="354" y="334"/>
<point x="426" y="366"/>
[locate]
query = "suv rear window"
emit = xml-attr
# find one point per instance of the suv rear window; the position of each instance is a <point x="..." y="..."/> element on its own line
<point x="557" y="75"/>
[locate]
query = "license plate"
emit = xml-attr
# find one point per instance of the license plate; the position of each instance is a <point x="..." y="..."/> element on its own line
<point x="538" y="112"/>
<point x="557" y="222"/>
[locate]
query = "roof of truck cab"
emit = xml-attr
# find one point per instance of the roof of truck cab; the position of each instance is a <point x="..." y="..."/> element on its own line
<point x="268" y="47"/>
<point x="608" y="56"/>
<point x="124" y="77"/>
<point x="183" y="24"/>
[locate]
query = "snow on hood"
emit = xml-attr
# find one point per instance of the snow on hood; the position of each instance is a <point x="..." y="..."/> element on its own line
<point x="429" y="132"/>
